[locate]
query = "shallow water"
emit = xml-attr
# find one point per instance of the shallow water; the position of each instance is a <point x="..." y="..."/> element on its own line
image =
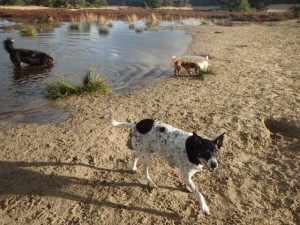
<point x="128" y="59"/>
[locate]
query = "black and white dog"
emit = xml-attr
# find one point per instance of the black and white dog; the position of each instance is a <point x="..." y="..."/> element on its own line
<point x="19" y="57"/>
<point x="188" y="151"/>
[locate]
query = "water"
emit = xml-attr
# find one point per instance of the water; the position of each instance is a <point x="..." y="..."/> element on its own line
<point x="128" y="59"/>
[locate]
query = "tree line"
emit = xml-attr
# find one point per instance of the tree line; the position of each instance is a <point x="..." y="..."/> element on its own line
<point x="232" y="5"/>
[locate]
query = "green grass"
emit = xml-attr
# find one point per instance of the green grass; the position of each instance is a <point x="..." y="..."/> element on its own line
<point x="103" y="31"/>
<point x="74" y="27"/>
<point x="92" y="84"/>
<point x="209" y="71"/>
<point x="131" y="26"/>
<point x="139" y="30"/>
<point x="28" y="30"/>
<point x="226" y="23"/>
<point x="110" y="25"/>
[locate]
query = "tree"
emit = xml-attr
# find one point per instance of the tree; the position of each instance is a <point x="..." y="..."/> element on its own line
<point x="97" y="2"/>
<point x="153" y="3"/>
<point x="259" y="4"/>
<point x="167" y="3"/>
<point x="236" y="5"/>
<point x="204" y="2"/>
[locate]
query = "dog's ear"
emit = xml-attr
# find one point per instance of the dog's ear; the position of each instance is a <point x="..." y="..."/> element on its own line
<point x="197" y="139"/>
<point x="219" y="140"/>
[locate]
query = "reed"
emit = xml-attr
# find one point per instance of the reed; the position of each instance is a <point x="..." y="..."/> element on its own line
<point x="28" y="30"/>
<point x="74" y="27"/>
<point x="139" y="30"/>
<point x="61" y="87"/>
<point x="155" y="18"/>
<point x="132" y="18"/>
<point x="102" y="20"/>
<point x="92" y="84"/>
<point x="103" y="31"/>
<point x="131" y="26"/>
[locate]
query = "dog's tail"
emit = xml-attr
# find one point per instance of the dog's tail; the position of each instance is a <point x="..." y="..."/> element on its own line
<point x="206" y="58"/>
<point x="119" y="124"/>
<point x="173" y="58"/>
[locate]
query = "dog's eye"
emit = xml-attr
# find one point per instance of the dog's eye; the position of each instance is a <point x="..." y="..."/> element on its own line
<point x="208" y="151"/>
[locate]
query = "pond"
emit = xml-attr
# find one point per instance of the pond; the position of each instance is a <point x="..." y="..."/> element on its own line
<point x="129" y="57"/>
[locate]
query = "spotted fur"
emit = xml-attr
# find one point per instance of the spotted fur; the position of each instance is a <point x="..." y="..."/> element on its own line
<point x="188" y="151"/>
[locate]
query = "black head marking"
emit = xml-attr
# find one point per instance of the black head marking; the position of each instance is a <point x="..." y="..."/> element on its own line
<point x="219" y="140"/>
<point x="201" y="148"/>
<point x="191" y="145"/>
<point x="144" y="126"/>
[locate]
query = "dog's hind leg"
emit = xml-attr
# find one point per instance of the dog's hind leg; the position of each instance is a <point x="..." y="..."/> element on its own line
<point x="135" y="164"/>
<point x="187" y="178"/>
<point x="145" y="158"/>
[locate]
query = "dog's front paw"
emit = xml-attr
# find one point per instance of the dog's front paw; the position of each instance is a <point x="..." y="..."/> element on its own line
<point x="205" y="209"/>
<point x="152" y="185"/>
<point x="189" y="189"/>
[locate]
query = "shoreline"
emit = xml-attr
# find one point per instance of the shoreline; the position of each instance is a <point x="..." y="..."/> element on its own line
<point x="125" y="13"/>
<point x="79" y="169"/>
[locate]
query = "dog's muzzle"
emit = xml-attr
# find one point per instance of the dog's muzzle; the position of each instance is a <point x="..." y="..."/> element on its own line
<point x="211" y="165"/>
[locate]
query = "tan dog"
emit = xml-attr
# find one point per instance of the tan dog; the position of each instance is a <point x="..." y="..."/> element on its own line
<point x="186" y="65"/>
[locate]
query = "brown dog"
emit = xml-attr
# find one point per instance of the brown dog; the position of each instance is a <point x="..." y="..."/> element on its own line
<point x="186" y="65"/>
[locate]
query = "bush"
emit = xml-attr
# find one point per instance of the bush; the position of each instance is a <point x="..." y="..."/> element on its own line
<point x="236" y="5"/>
<point x="61" y="88"/>
<point x="103" y="31"/>
<point x="29" y="30"/>
<point x="93" y="84"/>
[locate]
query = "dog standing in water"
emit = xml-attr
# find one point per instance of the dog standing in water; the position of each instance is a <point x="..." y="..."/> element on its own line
<point x="20" y="57"/>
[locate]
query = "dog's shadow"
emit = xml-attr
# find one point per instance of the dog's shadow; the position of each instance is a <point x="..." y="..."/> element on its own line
<point x="16" y="178"/>
<point x="187" y="76"/>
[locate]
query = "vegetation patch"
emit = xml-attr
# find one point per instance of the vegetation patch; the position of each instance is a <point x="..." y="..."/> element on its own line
<point x="28" y="30"/>
<point x="209" y="71"/>
<point x="132" y="14"/>
<point x="103" y="31"/>
<point x="92" y="84"/>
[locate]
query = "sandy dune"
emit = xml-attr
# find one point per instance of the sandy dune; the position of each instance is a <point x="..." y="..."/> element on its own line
<point x="78" y="171"/>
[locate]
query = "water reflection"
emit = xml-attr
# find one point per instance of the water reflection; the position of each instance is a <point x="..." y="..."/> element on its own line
<point x="31" y="73"/>
<point x="127" y="59"/>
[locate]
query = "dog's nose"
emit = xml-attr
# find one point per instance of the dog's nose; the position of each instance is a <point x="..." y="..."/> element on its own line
<point x="214" y="164"/>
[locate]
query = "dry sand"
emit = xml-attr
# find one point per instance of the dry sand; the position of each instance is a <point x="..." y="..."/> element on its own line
<point x="78" y="171"/>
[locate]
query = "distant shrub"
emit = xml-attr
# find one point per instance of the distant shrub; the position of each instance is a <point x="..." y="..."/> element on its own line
<point x="236" y="5"/>
<point x="139" y="30"/>
<point x="28" y="30"/>
<point x="131" y="26"/>
<point x="103" y="31"/>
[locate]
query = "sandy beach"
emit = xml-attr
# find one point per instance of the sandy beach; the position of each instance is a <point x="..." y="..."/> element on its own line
<point x="79" y="171"/>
